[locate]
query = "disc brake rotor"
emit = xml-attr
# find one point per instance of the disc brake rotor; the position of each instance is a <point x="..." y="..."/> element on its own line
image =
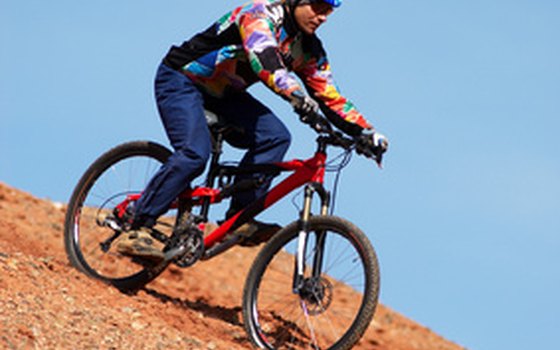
<point x="317" y="292"/>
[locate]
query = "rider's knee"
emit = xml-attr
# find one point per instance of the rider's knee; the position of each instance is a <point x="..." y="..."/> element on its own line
<point x="283" y="139"/>
<point x="191" y="161"/>
<point x="282" y="136"/>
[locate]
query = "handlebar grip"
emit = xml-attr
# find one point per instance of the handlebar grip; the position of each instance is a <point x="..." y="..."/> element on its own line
<point x="316" y="121"/>
<point x="375" y="153"/>
<point x="322" y="126"/>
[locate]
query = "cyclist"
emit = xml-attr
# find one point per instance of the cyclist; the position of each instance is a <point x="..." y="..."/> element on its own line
<point x="271" y="41"/>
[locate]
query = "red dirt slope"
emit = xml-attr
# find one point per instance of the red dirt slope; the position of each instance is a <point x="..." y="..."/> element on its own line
<point x="46" y="304"/>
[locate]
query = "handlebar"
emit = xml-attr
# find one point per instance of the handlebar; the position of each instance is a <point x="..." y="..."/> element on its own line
<point x="335" y="138"/>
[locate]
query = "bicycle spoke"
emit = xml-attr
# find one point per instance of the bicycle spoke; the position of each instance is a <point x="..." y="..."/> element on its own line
<point x="309" y="325"/>
<point x="277" y="301"/>
<point x="109" y="181"/>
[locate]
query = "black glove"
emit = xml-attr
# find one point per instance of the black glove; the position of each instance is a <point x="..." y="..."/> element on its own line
<point x="372" y="145"/>
<point x="304" y="105"/>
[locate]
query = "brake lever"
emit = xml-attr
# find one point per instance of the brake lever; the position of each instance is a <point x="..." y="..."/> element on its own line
<point x="379" y="160"/>
<point x="376" y="155"/>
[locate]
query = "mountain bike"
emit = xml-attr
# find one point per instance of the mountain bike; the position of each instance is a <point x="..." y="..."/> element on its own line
<point x="314" y="285"/>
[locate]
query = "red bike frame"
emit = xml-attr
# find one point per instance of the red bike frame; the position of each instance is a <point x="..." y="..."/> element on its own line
<point x="311" y="170"/>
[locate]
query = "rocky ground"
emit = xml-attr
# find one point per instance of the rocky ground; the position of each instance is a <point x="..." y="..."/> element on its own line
<point x="46" y="304"/>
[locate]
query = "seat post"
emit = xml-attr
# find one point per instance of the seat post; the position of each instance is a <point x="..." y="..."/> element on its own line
<point x="218" y="140"/>
<point x="217" y="143"/>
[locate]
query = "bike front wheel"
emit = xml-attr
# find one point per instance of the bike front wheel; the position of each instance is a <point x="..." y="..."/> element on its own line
<point x="334" y="303"/>
<point x="118" y="174"/>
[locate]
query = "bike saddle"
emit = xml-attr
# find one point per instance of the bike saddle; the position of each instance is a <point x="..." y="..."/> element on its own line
<point x="219" y="125"/>
<point x="212" y="119"/>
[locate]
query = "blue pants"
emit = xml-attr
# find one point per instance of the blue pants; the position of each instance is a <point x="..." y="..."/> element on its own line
<point x="181" y="107"/>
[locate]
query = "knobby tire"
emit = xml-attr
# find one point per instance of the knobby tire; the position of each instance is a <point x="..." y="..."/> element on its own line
<point x="77" y="220"/>
<point x="277" y="326"/>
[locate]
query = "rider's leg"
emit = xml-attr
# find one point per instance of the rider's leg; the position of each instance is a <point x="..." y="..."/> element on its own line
<point x="265" y="137"/>
<point x="266" y="140"/>
<point x="180" y="106"/>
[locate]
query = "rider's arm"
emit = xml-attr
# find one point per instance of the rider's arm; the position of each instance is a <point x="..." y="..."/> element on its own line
<point x="318" y="78"/>
<point x="259" y="41"/>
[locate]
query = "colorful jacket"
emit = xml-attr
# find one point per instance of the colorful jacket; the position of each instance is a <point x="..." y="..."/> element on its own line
<point x="259" y="41"/>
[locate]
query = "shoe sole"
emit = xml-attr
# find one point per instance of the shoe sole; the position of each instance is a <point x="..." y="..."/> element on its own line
<point x="136" y="251"/>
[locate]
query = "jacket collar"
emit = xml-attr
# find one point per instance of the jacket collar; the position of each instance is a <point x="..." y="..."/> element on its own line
<point x="289" y="22"/>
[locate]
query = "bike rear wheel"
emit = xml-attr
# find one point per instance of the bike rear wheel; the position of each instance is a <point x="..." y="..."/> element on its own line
<point x="335" y="306"/>
<point x="117" y="174"/>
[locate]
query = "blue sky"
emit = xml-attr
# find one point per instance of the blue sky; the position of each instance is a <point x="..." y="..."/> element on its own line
<point x="465" y="215"/>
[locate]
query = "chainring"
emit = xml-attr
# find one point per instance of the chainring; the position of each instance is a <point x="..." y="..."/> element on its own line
<point x="190" y="244"/>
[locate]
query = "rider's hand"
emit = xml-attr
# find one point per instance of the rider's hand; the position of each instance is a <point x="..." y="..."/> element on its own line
<point x="380" y="142"/>
<point x="372" y="145"/>
<point x="305" y="106"/>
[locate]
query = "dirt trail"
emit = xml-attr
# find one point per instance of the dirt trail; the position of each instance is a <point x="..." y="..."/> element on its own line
<point x="46" y="304"/>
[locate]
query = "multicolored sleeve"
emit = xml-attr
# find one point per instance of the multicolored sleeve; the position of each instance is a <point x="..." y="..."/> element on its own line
<point x="318" y="78"/>
<point x="258" y="37"/>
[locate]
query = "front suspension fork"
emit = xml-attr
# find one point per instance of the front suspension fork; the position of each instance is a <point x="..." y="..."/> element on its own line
<point x="303" y="236"/>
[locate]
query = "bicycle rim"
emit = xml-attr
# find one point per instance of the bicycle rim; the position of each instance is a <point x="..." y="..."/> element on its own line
<point x="335" y="308"/>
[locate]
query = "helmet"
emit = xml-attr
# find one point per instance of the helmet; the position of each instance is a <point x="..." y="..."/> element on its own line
<point x="333" y="3"/>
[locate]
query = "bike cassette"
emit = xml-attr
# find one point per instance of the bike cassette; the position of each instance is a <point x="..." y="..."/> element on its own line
<point x="185" y="248"/>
